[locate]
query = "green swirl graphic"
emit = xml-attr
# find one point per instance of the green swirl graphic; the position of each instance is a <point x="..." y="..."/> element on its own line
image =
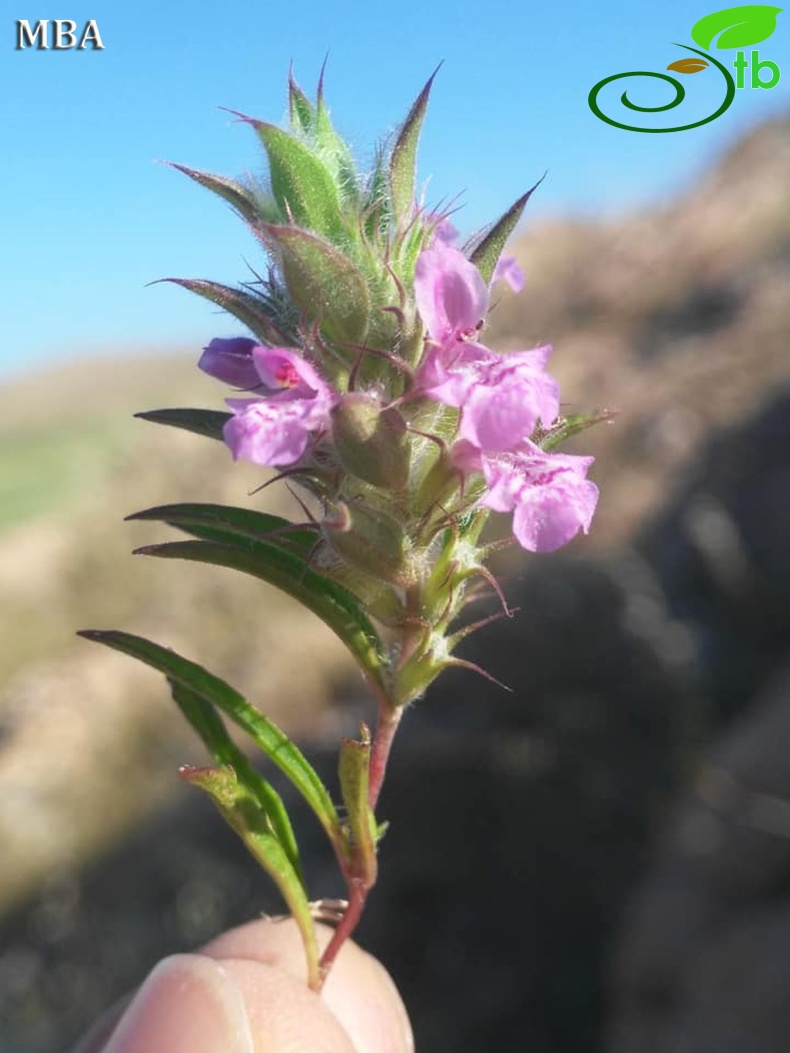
<point x="680" y="94"/>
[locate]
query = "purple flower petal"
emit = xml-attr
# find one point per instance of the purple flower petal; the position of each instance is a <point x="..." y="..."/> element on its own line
<point x="509" y="397"/>
<point x="269" y="433"/>
<point x="274" y="430"/>
<point x="508" y="270"/>
<point x="549" y="494"/>
<point x="231" y="361"/>
<point x="451" y="296"/>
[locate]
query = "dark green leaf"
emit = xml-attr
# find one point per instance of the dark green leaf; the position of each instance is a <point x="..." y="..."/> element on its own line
<point x="200" y="421"/>
<point x="403" y="160"/>
<point x="203" y="717"/>
<point x="240" y="197"/>
<point x="250" y="309"/>
<point x="740" y="27"/>
<point x="289" y="571"/>
<point x="489" y="249"/>
<point x="274" y="742"/>
<point x="225" y="524"/>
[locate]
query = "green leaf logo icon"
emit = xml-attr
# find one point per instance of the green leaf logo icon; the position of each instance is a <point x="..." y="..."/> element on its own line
<point x="736" y="27"/>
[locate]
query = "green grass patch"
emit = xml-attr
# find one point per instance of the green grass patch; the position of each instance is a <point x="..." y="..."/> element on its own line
<point x="44" y="469"/>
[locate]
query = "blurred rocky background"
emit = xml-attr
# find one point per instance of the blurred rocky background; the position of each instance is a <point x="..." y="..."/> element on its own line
<point x="598" y="860"/>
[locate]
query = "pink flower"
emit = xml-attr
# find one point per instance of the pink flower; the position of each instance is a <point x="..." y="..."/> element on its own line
<point x="274" y="430"/>
<point x="501" y="397"/>
<point x="548" y="493"/>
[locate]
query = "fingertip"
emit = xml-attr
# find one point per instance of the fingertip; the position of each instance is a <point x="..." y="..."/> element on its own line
<point x="359" y="991"/>
<point x="187" y="1004"/>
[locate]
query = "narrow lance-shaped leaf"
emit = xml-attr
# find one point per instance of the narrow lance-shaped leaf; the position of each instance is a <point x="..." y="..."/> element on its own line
<point x="489" y="249"/>
<point x="248" y="308"/>
<point x="403" y="160"/>
<point x="208" y="423"/>
<point x="354" y="774"/>
<point x="241" y="812"/>
<point x="333" y="149"/>
<point x="274" y="742"/>
<point x="564" y="427"/>
<point x="225" y="523"/>
<point x="300" y="109"/>
<point x="324" y="284"/>
<point x="289" y="571"/>
<point x="242" y="199"/>
<point x="204" y="719"/>
<point x="739" y="27"/>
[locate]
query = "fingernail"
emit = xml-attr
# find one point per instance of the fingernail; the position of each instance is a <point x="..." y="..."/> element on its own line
<point x="188" y="1004"/>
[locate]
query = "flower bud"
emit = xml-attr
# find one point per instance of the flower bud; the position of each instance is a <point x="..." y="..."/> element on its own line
<point x="371" y="442"/>
<point x="231" y="361"/>
<point x="368" y="540"/>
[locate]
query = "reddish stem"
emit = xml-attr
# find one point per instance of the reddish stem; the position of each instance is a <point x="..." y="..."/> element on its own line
<point x="357" y="894"/>
<point x="389" y="718"/>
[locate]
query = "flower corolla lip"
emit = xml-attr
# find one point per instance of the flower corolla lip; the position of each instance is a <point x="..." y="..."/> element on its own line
<point x="451" y="296"/>
<point x="287" y="375"/>
<point x="508" y="270"/>
<point x="504" y="403"/>
<point x="548" y="493"/>
<point x="231" y="361"/>
<point x="501" y="397"/>
<point x="274" y="431"/>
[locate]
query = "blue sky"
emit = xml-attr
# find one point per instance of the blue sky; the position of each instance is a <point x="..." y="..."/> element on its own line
<point x="88" y="218"/>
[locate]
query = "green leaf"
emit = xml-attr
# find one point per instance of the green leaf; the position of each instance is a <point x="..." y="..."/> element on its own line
<point x="564" y="427"/>
<point x="274" y="742"/>
<point x="301" y="183"/>
<point x="354" y="774"/>
<point x="249" y="309"/>
<point x="241" y="812"/>
<point x="403" y="160"/>
<point x="376" y="206"/>
<point x="324" y="284"/>
<point x="739" y="27"/>
<point x="226" y="524"/>
<point x="300" y="109"/>
<point x="334" y="151"/>
<point x="335" y="606"/>
<point x="240" y="197"/>
<point x="489" y="249"/>
<point x="200" y="421"/>
<point x="203" y="717"/>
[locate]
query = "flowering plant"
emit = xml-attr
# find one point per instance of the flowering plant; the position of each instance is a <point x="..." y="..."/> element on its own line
<point x="365" y="383"/>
